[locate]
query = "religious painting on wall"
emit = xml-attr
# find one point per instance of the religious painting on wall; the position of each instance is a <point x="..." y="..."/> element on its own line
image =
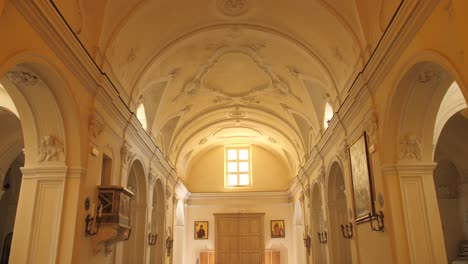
<point x="201" y="230"/>
<point x="361" y="179"/>
<point x="277" y="228"/>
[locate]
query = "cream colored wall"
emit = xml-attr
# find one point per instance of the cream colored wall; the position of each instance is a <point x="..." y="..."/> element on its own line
<point x="83" y="99"/>
<point x="207" y="172"/>
<point x="441" y="34"/>
<point x="273" y="208"/>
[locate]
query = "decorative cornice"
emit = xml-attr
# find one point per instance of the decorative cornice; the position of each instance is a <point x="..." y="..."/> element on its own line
<point x="239" y="198"/>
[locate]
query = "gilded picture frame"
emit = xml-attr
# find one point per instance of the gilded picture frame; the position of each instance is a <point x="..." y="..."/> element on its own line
<point x="361" y="179"/>
<point x="200" y="230"/>
<point x="277" y="229"/>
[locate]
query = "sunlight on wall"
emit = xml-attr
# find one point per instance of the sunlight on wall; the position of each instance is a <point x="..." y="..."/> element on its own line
<point x="6" y="102"/>
<point x="141" y="115"/>
<point x="206" y="174"/>
<point x="452" y="103"/>
<point x="328" y="115"/>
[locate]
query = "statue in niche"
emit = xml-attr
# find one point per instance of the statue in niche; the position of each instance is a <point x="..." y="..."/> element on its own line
<point x="50" y="149"/>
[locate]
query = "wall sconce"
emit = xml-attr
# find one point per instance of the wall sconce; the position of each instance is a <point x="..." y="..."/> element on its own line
<point x="128" y="234"/>
<point x="323" y="237"/>
<point x="152" y="238"/>
<point x="169" y="244"/>
<point x="92" y="221"/>
<point x="380" y="222"/>
<point x="307" y="240"/>
<point x="347" y="230"/>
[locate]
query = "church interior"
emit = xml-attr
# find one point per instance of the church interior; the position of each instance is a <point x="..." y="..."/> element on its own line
<point x="233" y="131"/>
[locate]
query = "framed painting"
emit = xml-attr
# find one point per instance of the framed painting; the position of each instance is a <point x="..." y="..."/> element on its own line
<point x="361" y="179"/>
<point x="277" y="229"/>
<point x="201" y="230"/>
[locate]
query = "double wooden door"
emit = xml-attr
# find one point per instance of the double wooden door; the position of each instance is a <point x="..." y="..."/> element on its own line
<point x="239" y="238"/>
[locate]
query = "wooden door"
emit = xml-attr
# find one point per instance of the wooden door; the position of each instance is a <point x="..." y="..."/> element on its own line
<point x="239" y="238"/>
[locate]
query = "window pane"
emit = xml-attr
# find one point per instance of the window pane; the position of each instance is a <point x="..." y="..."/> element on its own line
<point x="232" y="179"/>
<point x="243" y="154"/>
<point x="243" y="166"/>
<point x="244" y="179"/>
<point x="232" y="154"/>
<point x="232" y="166"/>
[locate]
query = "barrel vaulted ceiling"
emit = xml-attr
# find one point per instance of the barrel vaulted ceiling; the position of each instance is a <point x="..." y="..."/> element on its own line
<point x="216" y="72"/>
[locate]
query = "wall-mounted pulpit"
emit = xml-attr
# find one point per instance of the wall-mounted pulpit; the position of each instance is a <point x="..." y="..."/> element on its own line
<point x="113" y="216"/>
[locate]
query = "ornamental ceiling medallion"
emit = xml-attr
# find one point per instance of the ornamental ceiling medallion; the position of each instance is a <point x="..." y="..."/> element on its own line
<point x="233" y="7"/>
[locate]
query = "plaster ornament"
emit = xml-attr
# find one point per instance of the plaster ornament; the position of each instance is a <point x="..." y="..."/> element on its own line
<point x="307" y="190"/>
<point x="428" y="77"/>
<point x="168" y="194"/>
<point x="96" y="126"/>
<point x="256" y="46"/>
<point x="321" y="175"/>
<point x="152" y="178"/>
<point x="410" y="148"/>
<point x="237" y="113"/>
<point x="272" y="140"/>
<point x="203" y="141"/>
<point x="125" y="153"/>
<point x="174" y="72"/>
<point x="20" y="77"/>
<point x="294" y="71"/>
<point x="250" y="99"/>
<point x="215" y="45"/>
<point x="233" y="7"/>
<point x="371" y="125"/>
<point x="51" y="149"/>
<point x="343" y="151"/>
<point x="301" y="197"/>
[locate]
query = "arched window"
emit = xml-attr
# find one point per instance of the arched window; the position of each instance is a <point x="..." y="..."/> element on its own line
<point x="141" y="115"/>
<point x="328" y="115"/>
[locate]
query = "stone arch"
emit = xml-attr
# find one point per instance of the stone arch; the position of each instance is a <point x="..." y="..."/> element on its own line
<point x="158" y="223"/>
<point x="48" y="109"/>
<point x="54" y="157"/>
<point x="136" y="246"/>
<point x="407" y="144"/>
<point x="417" y="95"/>
<point x="340" y="248"/>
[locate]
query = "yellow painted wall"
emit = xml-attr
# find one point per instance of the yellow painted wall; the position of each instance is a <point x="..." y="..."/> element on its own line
<point x="206" y="174"/>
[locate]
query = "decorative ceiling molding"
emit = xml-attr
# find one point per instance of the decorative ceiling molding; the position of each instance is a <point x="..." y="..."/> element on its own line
<point x="197" y="85"/>
<point x="237" y="28"/>
<point x="22" y="78"/>
<point x="233" y="7"/>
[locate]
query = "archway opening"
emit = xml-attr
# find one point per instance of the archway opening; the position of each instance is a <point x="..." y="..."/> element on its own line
<point x="337" y="211"/>
<point x="317" y="221"/>
<point x="158" y="224"/>
<point x="11" y="160"/>
<point x="134" y="248"/>
<point x="451" y="184"/>
<point x="421" y="105"/>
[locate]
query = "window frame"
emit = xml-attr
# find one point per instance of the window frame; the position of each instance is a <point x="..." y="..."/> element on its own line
<point x="237" y="160"/>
